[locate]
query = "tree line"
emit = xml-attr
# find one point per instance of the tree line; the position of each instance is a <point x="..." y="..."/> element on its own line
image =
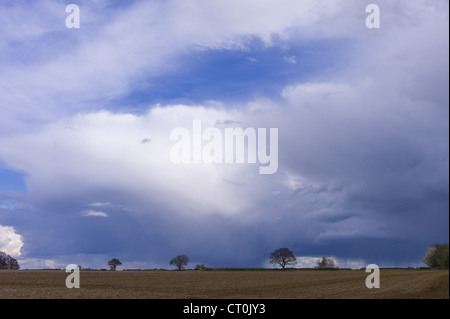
<point x="8" y="262"/>
<point x="436" y="256"/>
<point x="282" y="257"/>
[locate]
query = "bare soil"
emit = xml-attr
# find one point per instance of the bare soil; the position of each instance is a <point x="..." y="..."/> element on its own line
<point x="302" y="284"/>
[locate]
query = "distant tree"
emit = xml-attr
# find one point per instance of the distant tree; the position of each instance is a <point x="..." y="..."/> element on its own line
<point x="436" y="256"/>
<point x="199" y="267"/>
<point x="8" y="262"/>
<point x="325" y="263"/>
<point x="13" y="264"/>
<point x="180" y="261"/>
<point x="3" y="259"/>
<point x="282" y="257"/>
<point x="113" y="263"/>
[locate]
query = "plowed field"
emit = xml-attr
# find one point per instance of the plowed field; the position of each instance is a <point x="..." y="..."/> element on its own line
<point x="225" y="284"/>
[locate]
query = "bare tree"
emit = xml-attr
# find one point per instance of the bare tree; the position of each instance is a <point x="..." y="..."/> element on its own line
<point x="113" y="263"/>
<point x="180" y="261"/>
<point x="325" y="263"/>
<point x="282" y="257"/>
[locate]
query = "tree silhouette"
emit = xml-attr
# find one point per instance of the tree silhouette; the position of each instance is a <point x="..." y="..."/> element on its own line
<point x="113" y="263"/>
<point x="180" y="261"/>
<point x="325" y="262"/>
<point x="282" y="257"/>
<point x="8" y="262"/>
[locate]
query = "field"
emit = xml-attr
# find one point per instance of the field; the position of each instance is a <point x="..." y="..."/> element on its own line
<point x="395" y="283"/>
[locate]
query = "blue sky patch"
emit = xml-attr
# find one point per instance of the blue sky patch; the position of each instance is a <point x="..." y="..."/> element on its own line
<point x="236" y="75"/>
<point x="12" y="181"/>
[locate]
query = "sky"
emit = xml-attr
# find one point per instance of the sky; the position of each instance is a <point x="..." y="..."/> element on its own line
<point x="86" y="116"/>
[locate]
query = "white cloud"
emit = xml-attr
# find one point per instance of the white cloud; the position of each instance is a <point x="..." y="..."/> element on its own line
<point x="306" y="262"/>
<point x="102" y="62"/>
<point x="100" y="204"/>
<point x="94" y="213"/>
<point x="10" y="242"/>
<point x="110" y="149"/>
<point x="290" y="59"/>
<point x="37" y="263"/>
<point x="61" y="261"/>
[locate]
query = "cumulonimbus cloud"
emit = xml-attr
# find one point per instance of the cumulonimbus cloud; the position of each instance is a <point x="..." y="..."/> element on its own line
<point x="363" y="154"/>
<point x="10" y="242"/>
